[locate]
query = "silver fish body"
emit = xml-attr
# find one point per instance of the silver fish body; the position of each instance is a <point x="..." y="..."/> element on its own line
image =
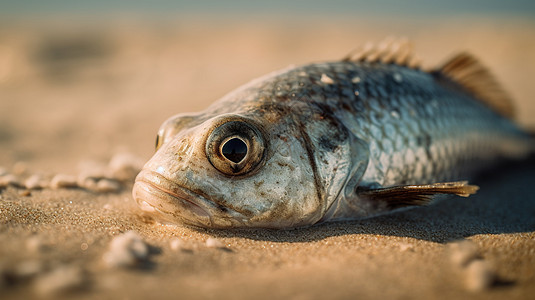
<point x="308" y="144"/>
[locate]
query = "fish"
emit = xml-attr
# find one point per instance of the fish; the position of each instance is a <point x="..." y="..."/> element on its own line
<point x="366" y="135"/>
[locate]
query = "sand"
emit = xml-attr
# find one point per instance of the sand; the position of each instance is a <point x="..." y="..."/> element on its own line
<point x="73" y="97"/>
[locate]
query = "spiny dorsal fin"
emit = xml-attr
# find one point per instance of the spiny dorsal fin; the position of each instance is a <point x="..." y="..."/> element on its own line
<point x="417" y="195"/>
<point x="468" y="72"/>
<point x="389" y="51"/>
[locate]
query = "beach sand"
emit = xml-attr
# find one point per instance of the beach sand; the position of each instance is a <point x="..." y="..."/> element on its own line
<point x="75" y="96"/>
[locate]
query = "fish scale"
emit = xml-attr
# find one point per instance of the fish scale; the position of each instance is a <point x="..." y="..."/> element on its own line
<point x="427" y="111"/>
<point x="331" y="141"/>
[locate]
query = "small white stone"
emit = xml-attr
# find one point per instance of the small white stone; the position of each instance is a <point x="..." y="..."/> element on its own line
<point x="25" y="193"/>
<point x="63" y="181"/>
<point x="463" y="252"/>
<point x="176" y="244"/>
<point x="35" y="244"/>
<point x="20" y="168"/>
<point x="108" y="186"/>
<point x="28" y="269"/>
<point x="355" y="79"/>
<point x="87" y="182"/>
<point x="126" y="250"/>
<point x="9" y="179"/>
<point x="90" y="173"/>
<point x="479" y="276"/>
<point x="405" y="247"/>
<point x="326" y="79"/>
<point x="35" y="181"/>
<point x="60" y="280"/>
<point x="32" y="182"/>
<point x="214" y="243"/>
<point x="125" y="166"/>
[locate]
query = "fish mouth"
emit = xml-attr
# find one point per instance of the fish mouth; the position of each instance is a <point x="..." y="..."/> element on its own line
<point x="173" y="203"/>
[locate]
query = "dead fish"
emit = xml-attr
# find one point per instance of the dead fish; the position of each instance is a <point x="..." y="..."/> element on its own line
<point x="340" y="140"/>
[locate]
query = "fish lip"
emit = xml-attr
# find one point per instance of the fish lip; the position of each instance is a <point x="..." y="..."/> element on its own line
<point x="177" y="201"/>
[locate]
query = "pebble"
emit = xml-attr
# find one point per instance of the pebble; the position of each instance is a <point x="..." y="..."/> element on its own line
<point x="89" y="183"/>
<point x="176" y="244"/>
<point x="9" y="179"/>
<point x="126" y="250"/>
<point x="479" y="276"/>
<point x="463" y="252"/>
<point x="25" y="193"/>
<point x="35" y="244"/>
<point x="60" y="280"/>
<point x="35" y="182"/>
<point x="108" y="186"/>
<point x="90" y="173"/>
<point x="20" y="168"/>
<point x="28" y="269"/>
<point x="63" y="181"/>
<point x="405" y="247"/>
<point x="125" y="166"/>
<point x="214" y="243"/>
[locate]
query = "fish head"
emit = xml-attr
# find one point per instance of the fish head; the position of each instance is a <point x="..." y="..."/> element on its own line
<point x="245" y="169"/>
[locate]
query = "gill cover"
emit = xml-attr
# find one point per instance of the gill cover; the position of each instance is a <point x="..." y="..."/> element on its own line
<point x="338" y="159"/>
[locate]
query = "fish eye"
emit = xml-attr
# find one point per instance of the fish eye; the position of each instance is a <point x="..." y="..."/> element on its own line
<point x="235" y="147"/>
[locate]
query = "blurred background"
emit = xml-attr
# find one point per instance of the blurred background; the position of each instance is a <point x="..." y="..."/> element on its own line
<point x="87" y="79"/>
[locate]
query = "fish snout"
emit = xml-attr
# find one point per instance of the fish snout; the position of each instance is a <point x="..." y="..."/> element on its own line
<point x="172" y="203"/>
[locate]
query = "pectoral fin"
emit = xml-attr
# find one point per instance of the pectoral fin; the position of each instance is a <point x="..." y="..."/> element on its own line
<point x="416" y="195"/>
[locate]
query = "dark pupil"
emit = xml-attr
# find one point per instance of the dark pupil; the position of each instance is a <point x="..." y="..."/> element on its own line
<point x="234" y="150"/>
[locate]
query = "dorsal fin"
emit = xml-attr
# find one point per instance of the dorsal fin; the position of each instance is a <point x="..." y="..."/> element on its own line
<point x="470" y="74"/>
<point x="390" y="50"/>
